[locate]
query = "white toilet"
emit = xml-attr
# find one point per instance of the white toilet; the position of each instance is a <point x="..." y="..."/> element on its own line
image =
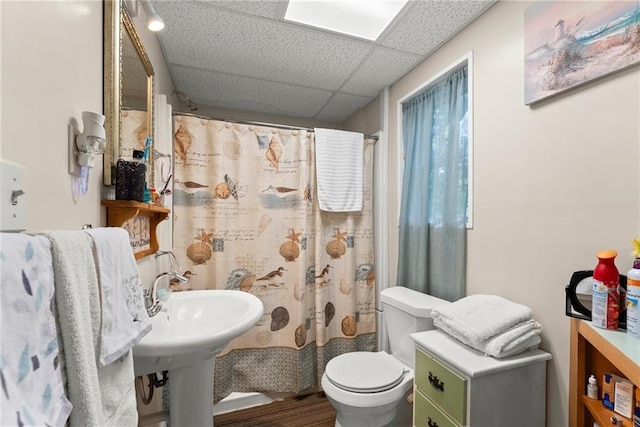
<point x="369" y="389"/>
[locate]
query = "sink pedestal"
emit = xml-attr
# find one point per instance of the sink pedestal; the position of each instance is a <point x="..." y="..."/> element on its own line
<point x="191" y="395"/>
<point x="190" y="330"/>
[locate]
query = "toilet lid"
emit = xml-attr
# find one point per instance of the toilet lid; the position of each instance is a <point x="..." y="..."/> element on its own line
<point x="365" y="372"/>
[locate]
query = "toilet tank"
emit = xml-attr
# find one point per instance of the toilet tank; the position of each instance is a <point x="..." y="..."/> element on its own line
<point x="406" y="311"/>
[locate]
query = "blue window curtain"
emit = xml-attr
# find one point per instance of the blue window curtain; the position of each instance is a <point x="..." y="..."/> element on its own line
<point x="433" y="210"/>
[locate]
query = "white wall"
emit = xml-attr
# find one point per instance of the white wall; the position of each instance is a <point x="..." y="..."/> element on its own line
<point x="48" y="69"/>
<point x="554" y="183"/>
<point x="50" y="74"/>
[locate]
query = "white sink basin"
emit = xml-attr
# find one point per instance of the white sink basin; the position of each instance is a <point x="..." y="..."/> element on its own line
<point x="190" y="330"/>
<point x="194" y="326"/>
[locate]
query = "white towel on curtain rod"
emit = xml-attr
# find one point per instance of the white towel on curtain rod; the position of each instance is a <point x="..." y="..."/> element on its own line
<point x="339" y="170"/>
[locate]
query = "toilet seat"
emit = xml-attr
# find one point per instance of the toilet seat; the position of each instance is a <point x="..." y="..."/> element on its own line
<point x="365" y="372"/>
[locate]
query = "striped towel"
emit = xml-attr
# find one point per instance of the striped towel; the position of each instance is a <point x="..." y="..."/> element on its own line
<point x="339" y="170"/>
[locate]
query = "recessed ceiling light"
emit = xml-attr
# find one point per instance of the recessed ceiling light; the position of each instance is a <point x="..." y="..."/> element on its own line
<point x="366" y="19"/>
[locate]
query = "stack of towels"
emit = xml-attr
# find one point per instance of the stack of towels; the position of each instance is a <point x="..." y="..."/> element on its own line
<point x="490" y="324"/>
<point x="71" y="310"/>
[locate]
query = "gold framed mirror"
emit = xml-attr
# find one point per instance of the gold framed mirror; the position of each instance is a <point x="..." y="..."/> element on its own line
<point x="128" y="90"/>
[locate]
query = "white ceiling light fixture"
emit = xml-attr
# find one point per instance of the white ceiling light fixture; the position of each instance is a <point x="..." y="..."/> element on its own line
<point x="365" y="19"/>
<point x="154" y="22"/>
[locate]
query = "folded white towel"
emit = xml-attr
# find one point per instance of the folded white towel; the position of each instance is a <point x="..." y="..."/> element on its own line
<point x="101" y="396"/>
<point x="339" y="170"/>
<point x="479" y="317"/>
<point x="32" y="385"/>
<point x="523" y="336"/>
<point x="124" y="318"/>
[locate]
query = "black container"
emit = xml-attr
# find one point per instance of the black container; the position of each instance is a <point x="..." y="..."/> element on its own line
<point x="130" y="179"/>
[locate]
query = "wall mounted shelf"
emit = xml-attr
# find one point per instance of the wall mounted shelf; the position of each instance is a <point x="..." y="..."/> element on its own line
<point x="140" y="220"/>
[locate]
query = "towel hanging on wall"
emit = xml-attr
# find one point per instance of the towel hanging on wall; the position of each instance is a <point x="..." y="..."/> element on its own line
<point x="124" y="318"/>
<point x="339" y="170"/>
<point x="102" y="396"/>
<point x="32" y="386"/>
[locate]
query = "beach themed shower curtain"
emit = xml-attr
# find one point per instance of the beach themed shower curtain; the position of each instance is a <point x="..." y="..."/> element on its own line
<point x="245" y="218"/>
<point x="134" y="131"/>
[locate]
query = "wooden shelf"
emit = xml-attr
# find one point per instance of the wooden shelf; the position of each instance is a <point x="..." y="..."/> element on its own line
<point x="616" y="346"/>
<point x="602" y="415"/>
<point x="597" y="351"/>
<point x="140" y="220"/>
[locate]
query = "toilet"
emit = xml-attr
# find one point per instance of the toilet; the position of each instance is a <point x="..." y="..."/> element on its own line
<point x="369" y="389"/>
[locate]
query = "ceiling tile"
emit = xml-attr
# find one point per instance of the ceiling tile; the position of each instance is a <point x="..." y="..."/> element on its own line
<point x="240" y="54"/>
<point x="248" y="94"/>
<point x="265" y="8"/>
<point x="428" y="24"/>
<point x="383" y="68"/>
<point x="221" y="41"/>
<point x="341" y="107"/>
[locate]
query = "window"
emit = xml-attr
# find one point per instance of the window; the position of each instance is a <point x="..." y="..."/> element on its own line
<point x="435" y="205"/>
<point x="450" y="144"/>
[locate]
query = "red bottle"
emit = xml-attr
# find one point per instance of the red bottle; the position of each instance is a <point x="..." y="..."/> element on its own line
<point x="606" y="298"/>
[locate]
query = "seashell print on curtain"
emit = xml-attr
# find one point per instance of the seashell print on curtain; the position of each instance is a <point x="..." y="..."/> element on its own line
<point x="134" y="132"/>
<point x="245" y="219"/>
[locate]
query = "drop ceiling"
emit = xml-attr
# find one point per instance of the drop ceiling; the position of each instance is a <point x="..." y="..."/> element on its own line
<point x="243" y="55"/>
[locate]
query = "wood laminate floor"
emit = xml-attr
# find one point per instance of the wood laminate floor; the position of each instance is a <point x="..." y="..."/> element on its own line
<point x="308" y="411"/>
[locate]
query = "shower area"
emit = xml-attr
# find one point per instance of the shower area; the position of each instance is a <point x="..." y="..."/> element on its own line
<point x="246" y="217"/>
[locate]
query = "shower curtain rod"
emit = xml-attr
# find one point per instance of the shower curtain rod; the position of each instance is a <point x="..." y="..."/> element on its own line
<point x="251" y="122"/>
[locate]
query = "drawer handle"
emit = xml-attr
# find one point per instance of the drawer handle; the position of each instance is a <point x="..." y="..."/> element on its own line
<point x="431" y="423"/>
<point x="435" y="382"/>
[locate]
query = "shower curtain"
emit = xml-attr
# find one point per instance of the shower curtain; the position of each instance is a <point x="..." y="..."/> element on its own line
<point x="245" y="218"/>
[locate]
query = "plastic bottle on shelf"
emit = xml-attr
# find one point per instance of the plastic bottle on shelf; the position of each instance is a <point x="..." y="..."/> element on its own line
<point x="592" y="388"/>
<point x="633" y="300"/>
<point x="606" y="297"/>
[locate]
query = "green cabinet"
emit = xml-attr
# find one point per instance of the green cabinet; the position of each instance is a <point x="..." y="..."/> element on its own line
<point x="442" y="386"/>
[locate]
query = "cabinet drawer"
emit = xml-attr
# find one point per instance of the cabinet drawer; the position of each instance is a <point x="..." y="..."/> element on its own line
<point x="444" y="387"/>
<point x="425" y="414"/>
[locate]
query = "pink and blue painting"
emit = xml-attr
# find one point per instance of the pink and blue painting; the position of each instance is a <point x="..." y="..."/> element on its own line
<point x="569" y="43"/>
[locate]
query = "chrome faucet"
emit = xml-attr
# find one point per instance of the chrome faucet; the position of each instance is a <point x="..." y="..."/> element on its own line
<point x="175" y="265"/>
<point x="151" y="301"/>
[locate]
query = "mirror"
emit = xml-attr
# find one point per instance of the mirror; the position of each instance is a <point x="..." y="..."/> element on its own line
<point x="578" y="296"/>
<point x="128" y="90"/>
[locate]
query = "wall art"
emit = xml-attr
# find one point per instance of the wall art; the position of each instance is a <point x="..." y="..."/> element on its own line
<point x="569" y="43"/>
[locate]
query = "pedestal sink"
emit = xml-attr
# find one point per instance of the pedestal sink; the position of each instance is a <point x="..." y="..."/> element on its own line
<point x="191" y="329"/>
